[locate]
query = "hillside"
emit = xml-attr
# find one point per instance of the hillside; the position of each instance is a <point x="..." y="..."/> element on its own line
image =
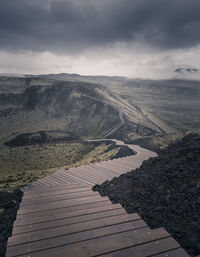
<point x="147" y="112"/>
<point x="172" y="105"/>
<point x="80" y="109"/>
<point x="29" y="105"/>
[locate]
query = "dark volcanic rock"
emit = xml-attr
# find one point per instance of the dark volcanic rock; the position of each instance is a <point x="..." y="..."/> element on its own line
<point x="165" y="191"/>
<point x="124" y="151"/>
<point x="40" y="137"/>
<point x="9" y="204"/>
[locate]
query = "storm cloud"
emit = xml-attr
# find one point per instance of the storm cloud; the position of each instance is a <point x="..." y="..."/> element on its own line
<point x="77" y="25"/>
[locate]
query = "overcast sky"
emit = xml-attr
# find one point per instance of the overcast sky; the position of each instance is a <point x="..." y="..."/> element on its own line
<point x="135" y="38"/>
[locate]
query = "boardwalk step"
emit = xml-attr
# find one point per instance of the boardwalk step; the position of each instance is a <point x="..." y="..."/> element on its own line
<point x="66" y="221"/>
<point x="61" y="216"/>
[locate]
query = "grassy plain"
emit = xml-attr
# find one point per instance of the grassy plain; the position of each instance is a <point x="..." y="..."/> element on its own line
<point x="22" y="165"/>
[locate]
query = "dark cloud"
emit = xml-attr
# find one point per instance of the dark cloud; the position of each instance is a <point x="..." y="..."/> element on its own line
<point x="67" y="25"/>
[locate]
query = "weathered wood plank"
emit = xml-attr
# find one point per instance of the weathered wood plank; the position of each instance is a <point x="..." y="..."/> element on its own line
<point x="66" y="196"/>
<point x="83" y="181"/>
<point x="103" y="245"/>
<point x="103" y="170"/>
<point x="113" y="167"/>
<point x="95" y="173"/>
<point x="73" y="238"/>
<point x="174" y="253"/>
<point x="120" y="163"/>
<point x="65" y="212"/>
<point x="147" y="249"/>
<point x="60" y="204"/>
<point x="70" y="229"/>
<point x="60" y="190"/>
<point x="104" y="165"/>
<point x="67" y="221"/>
<point x="55" y="188"/>
<point x="117" y="166"/>
<point x="85" y="177"/>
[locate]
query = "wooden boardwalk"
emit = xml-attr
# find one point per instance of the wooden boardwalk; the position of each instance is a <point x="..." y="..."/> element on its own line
<point x="60" y="216"/>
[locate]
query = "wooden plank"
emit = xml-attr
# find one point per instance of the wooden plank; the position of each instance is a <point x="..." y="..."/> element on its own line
<point x="39" y="185"/>
<point x="109" y="168"/>
<point x="79" y="179"/>
<point x="64" y="212"/>
<point x="68" y="185"/>
<point x="70" y="229"/>
<point x="62" y="173"/>
<point x="54" y="188"/>
<point x="95" y="170"/>
<point x="113" y="167"/>
<point x="106" y="171"/>
<point x="105" y="164"/>
<point x="49" y="180"/>
<point x="118" y="166"/>
<point x="122" y="164"/>
<point x="102" y="175"/>
<point x="95" y="173"/>
<point x="84" y="176"/>
<point x="63" y="177"/>
<point x="174" y="253"/>
<point x="58" y="180"/>
<point x="147" y="249"/>
<point x="103" y="245"/>
<point x="130" y="162"/>
<point x="72" y="238"/>
<point x="89" y="178"/>
<point x="67" y="221"/>
<point x="56" y="205"/>
<point x="33" y="201"/>
<point x="58" y="190"/>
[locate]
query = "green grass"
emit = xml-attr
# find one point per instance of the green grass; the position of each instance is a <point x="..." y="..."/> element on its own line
<point x="20" y="166"/>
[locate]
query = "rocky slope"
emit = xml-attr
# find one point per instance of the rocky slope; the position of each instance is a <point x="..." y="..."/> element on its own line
<point x="9" y="204"/>
<point x="165" y="191"/>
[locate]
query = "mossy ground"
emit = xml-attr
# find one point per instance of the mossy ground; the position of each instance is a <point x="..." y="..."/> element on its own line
<point x="20" y="166"/>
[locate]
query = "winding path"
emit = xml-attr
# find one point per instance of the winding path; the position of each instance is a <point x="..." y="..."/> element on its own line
<point x="60" y="216"/>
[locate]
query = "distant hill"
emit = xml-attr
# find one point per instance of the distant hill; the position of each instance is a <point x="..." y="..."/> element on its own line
<point x="97" y="106"/>
<point x="30" y="104"/>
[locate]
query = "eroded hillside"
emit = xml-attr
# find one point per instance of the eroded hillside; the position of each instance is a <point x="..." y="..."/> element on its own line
<point x="82" y="109"/>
